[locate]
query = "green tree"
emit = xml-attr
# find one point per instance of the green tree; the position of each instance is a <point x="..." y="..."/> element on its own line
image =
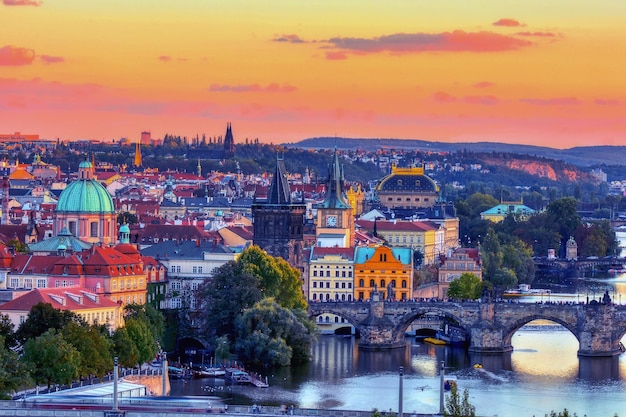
<point x="94" y="348"/>
<point x="222" y="349"/>
<point x="41" y="317"/>
<point x="6" y="331"/>
<point x="51" y="359"/>
<point x="277" y="278"/>
<point x="466" y="287"/>
<point x="271" y="335"/>
<point x="147" y="313"/>
<point x="142" y="337"/>
<point x="457" y="406"/>
<point x="13" y="372"/>
<point x="225" y="296"/>
<point x="124" y="348"/>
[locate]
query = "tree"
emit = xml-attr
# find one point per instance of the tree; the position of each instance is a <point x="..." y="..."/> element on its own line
<point x="13" y="372"/>
<point x="467" y="287"/>
<point x="142" y="337"/>
<point x="124" y="348"/>
<point x="457" y="407"/>
<point x="127" y="218"/>
<point x="94" y="348"/>
<point x="152" y="317"/>
<point x="270" y="335"/>
<point x="225" y="296"/>
<point x="277" y="279"/>
<point x="6" y="331"/>
<point x="51" y="359"/>
<point x="222" y="349"/>
<point x="41" y="317"/>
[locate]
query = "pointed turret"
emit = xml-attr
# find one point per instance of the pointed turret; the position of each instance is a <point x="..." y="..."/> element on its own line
<point x="279" y="192"/>
<point x="335" y="197"/>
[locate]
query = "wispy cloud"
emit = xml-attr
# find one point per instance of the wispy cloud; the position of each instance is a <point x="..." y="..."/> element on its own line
<point x="483" y="84"/>
<point x="538" y="34"/>
<point x="36" y="3"/>
<point x="556" y="101"/>
<point x="607" y="102"/>
<point x="443" y="97"/>
<point x="164" y="58"/>
<point x="270" y="88"/>
<point x="408" y="43"/>
<point x="508" y="22"/>
<point x="15" y="56"/>
<point x="50" y="59"/>
<point x="291" y="38"/>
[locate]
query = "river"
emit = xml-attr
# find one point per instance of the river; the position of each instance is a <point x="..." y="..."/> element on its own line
<point x="542" y="374"/>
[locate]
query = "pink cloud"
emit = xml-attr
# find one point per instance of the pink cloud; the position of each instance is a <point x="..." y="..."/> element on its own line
<point x="50" y="59"/>
<point x="165" y="58"/>
<point x="483" y="84"/>
<point x="507" y="22"/>
<point x="291" y="38"/>
<point x="557" y="101"/>
<point x="607" y="102"/>
<point x="537" y="34"/>
<point x="14" y="56"/>
<point x="442" y="97"/>
<point x="336" y="55"/>
<point x="270" y="88"/>
<point x="36" y="3"/>
<point x="484" y="100"/>
<point x="405" y="43"/>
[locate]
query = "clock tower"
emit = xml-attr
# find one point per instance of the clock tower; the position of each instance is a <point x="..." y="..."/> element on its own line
<point x="335" y="222"/>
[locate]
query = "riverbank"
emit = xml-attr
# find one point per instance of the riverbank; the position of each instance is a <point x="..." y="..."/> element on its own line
<point x="162" y="409"/>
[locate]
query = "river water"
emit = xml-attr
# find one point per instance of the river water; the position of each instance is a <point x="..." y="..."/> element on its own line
<point x="542" y="374"/>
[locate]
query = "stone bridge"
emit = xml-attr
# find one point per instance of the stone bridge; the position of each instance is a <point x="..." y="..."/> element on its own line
<point x="490" y="326"/>
<point x="582" y="264"/>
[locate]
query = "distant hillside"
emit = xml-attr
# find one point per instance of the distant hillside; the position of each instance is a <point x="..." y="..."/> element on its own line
<point x="582" y="156"/>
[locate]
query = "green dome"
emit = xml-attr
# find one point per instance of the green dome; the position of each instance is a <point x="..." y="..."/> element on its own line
<point x="85" y="196"/>
<point x="85" y="164"/>
<point x="124" y="228"/>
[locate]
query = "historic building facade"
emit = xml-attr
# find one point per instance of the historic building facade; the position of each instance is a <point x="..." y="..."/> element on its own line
<point x="407" y="188"/>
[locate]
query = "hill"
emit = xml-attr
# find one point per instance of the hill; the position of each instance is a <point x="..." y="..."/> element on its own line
<point x="582" y="156"/>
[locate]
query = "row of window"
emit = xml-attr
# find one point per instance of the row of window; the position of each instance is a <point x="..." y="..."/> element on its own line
<point x="129" y="284"/>
<point x="28" y="283"/>
<point x="416" y="199"/>
<point x="328" y="297"/>
<point x="343" y="274"/>
<point x="327" y="284"/>
<point x="135" y="299"/>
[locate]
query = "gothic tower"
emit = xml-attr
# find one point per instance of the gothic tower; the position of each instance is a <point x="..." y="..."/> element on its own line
<point x="279" y="221"/>
<point x="229" y="142"/>
<point x="335" y="221"/>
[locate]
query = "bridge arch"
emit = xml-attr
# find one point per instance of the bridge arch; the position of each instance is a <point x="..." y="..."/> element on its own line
<point x="331" y="308"/>
<point x="405" y="321"/>
<point x="515" y="325"/>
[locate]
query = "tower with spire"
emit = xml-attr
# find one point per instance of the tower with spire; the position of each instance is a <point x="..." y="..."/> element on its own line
<point x="229" y="142"/>
<point x="137" y="161"/>
<point x="279" y="220"/>
<point x="335" y="221"/>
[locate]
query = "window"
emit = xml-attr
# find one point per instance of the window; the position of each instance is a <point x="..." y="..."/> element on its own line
<point x="336" y="274"/>
<point x="361" y="284"/>
<point x="314" y="284"/>
<point x="328" y="284"/>
<point x="343" y="274"/>
<point x="403" y="283"/>
<point x="28" y="283"/>
<point x="72" y="227"/>
<point x="14" y="282"/>
<point x="336" y="285"/>
<point x="327" y="273"/>
<point x="41" y="283"/>
<point x="382" y="283"/>
<point x="93" y="229"/>
<point x="372" y="283"/>
<point x="314" y="273"/>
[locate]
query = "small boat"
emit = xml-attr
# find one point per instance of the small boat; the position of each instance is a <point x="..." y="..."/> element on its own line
<point x="478" y="366"/>
<point x="236" y="376"/>
<point x="434" y="341"/>
<point x="449" y="384"/>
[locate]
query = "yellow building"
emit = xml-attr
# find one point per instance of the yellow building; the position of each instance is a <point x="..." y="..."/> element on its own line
<point x="425" y="237"/>
<point x="331" y="274"/>
<point x="384" y="269"/>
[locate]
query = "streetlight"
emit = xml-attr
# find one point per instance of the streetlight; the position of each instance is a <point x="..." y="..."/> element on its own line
<point x="400" y="393"/>
<point x="441" y="386"/>
<point x="115" y="376"/>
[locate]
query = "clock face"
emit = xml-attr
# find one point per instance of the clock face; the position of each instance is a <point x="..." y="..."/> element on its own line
<point x="331" y="221"/>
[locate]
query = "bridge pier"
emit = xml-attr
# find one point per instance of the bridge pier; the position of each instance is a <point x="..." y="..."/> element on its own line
<point x="488" y="336"/>
<point x="377" y="330"/>
<point x="597" y="332"/>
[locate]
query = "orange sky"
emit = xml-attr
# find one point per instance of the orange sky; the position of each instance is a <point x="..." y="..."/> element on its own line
<point x="549" y="73"/>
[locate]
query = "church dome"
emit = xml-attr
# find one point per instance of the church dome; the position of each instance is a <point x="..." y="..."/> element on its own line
<point x="85" y="195"/>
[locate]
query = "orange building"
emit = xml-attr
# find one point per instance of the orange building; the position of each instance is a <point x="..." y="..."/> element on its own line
<point x="389" y="271"/>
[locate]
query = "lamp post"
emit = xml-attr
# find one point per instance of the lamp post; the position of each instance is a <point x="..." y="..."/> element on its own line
<point x="164" y="373"/>
<point x="441" y="386"/>
<point x="400" y="393"/>
<point x="115" y="377"/>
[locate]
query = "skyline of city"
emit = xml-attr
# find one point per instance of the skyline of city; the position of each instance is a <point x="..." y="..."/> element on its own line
<point x="530" y="72"/>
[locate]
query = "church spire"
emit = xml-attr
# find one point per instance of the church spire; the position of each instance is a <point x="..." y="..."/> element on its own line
<point x="335" y="197"/>
<point x="279" y="192"/>
<point x="137" y="161"/>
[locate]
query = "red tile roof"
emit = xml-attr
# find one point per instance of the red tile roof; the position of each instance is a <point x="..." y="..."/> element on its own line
<point x="73" y="299"/>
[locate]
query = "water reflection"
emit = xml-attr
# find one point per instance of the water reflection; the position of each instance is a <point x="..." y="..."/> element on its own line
<point x="542" y="374"/>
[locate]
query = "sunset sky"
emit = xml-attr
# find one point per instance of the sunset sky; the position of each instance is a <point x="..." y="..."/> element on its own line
<point x="550" y="73"/>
